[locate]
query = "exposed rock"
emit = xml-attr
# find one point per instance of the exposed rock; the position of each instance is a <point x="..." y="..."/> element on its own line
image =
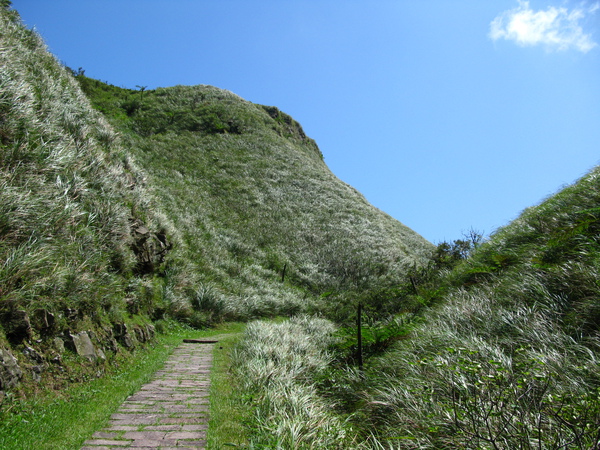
<point x="144" y="333"/>
<point x="36" y="372"/>
<point x="39" y="365"/>
<point x="82" y="344"/>
<point x="59" y="345"/>
<point x="141" y="229"/>
<point x="18" y="326"/>
<point x="10" y="372"/>
<point x="97" y="345"/>
<point x="123" y="336"/>
<point x="150" y="248"/>
<point x="109" y="340"/>
<point x="139" y="334"/>
<point x="151" y="331"/>
<point x="33" y="355"/>
<point x="100" y="353"/>
<point x="43" y="321"/>
<point x="111" y="345"/>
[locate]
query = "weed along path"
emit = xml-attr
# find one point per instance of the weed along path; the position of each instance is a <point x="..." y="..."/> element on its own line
<point x="169" y="412"/>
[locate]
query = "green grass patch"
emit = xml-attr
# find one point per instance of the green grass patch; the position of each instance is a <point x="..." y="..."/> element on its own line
<point x="64" y="420"/>
<point x="228" y="411"/>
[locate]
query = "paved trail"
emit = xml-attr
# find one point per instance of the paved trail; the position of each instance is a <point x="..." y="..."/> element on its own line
<point x="170" y="412"/>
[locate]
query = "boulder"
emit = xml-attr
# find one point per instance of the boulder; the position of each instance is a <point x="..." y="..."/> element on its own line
<point x="10" y="372"/>
<point x="82" y="344"/>
<point x="97" y="345"/>
<point x="59" y="345"/>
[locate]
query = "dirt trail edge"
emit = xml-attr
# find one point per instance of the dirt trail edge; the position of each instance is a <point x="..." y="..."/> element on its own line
<point x="169" y="412"/>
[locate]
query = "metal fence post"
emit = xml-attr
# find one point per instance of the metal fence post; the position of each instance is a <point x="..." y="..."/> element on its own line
<point x="359" y="336"/>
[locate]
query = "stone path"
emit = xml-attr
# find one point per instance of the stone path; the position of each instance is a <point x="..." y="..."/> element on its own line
<point x="170" y="412"/>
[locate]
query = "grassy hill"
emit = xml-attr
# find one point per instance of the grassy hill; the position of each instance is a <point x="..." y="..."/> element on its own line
<point x="120" y="209"/>
<point x="251" y="203"/>
<point x="69" y="196"/>
<point x="510" y="358"/>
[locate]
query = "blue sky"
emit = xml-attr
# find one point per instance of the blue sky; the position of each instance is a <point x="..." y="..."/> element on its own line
<point x="447" y="115"/>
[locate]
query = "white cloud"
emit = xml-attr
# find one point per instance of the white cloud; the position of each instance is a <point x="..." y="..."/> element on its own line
<point x="556" y="28"/>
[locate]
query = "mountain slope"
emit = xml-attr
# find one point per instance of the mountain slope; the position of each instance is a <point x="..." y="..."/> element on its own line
<point x="250" y="198"/>
<point x="509" y="357"/>
<point x="68" y="191"/>
<point x="506" y="355"/>
<point x="194" y="204"/>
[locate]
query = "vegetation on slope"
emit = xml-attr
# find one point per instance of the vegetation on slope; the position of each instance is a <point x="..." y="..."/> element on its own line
<point x="231" y="213"/>
<point x="507" y="355"/>
<point x="79" y="241"/>
<point x="275" y="364"/>
<point x="264" y="228"/>
<point x="510" y="360"/>
<point x="193" y="204"/>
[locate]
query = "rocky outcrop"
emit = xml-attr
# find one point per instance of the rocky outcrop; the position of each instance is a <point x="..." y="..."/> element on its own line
<point x="123" y="335"/>
<point x="128" y="336"/>
<point x="17" y="326"/>
<point x="36" y="356"/>
<point x="10" y="372"/>
<point x="81" y="344"/>
<point x="150" y="248"/>
<point x="37" y="363"/>
<point x="144" y="333"/>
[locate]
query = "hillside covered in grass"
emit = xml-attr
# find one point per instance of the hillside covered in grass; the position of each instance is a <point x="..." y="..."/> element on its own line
<point x="79" y="238"/>
<point x="510" y="359"/>
<point x="506" y="356"/>
<point x="263" y="227"/>
<point x="121" y="209"/>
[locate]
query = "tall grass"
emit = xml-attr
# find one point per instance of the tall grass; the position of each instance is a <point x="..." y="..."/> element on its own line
<point x="484" y="376"/>
<point x="51" y="168"/>
<point x="509" y="359"/>
<point x="276" y="364"/>
<point x="506" y="357"/>
<point x="250" y="196"/>
<point x="70" y="199"/>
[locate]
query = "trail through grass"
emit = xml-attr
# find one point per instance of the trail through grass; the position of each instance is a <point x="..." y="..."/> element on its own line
<point x="63" y="420"/>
